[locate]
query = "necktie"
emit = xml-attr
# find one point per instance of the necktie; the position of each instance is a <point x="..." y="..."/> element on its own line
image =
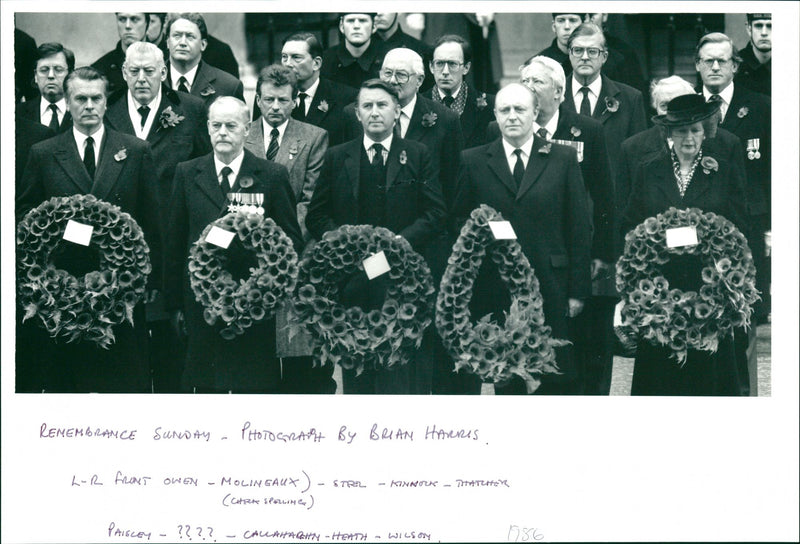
<point x="586" y="108"/>
<point x="519" y="168"/>
<point x="542" y="132"/>
<point x="144" y="111"/>
<point x="398" y="129"/>
<point x="448" y="101"/>
<point x="54" y="119"/>
<point x="300" y="110"/>
<point x="182" y="85"/>
<point x="272" y="150"/>
<point x="226" y="183"/>
<point x="717" y="99"/>
<point x="377" y="159"/>
<point x="88" y="157"/>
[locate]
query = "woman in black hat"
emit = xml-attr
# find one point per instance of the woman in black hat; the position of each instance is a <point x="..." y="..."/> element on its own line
<point x="683" y="176"/>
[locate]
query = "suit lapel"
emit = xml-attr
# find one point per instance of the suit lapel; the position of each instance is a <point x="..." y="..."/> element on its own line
<point x="248" y="169"/>
<point x="700" y="185"/>
<point x="202" y="81"/>
<point x="569" y="100"/>
<point x="108" y="167"/>
<point x="157" y="132"/>
<point x="608" y="92"/>
<point x="352" y="165"/>
<point x="118" y="118"/>
<point x="536" y="165"/>
<point x="291" y="145"/>
<point x="496" y="159"/>
<point x="665" y="180"/>
<point x="393" y="165"/>
<point x="732" y="119"/>
<point x="206" y="181"/>
<point x="255" y="139"/>
<point x="415" y="129"/>
<point x="70" y="160"/>
<point x="315" y="114"/>
<point x="469" y="117"/>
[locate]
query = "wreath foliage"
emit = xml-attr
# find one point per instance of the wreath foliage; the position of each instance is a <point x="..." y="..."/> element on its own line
<point x="88" y="307"/>
<point x="238" y="304"/>
<point x="352" y="337"/>
<point x="678" y="319"/>
<point x="523" y="346"/>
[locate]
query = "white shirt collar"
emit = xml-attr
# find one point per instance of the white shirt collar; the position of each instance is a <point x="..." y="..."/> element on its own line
<point x="175" y="75"/>
<point x="551" y="125"/>
<point x="387" y="143"/>
<point x="595" y="87"/>
<point x="268" y="129"/>
<point x="80" y="141"/>
<point x="136" y="118"/>
<point x="454" y="95"/>
<point x="235" y="166"/>
<point x="725" y="94"/>
<point x="44" y="107"/>
<point x="525" y="147"/>
<point x="409" y="108"/>
<point x="311" y="91"/>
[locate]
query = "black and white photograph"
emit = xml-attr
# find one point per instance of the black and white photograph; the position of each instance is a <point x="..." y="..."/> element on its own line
<point x="484" y="220"/>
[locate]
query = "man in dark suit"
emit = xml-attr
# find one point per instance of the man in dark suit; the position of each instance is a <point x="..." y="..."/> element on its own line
<point x="132" y="27"/>
<point x="452" y="60"/>
<point x="538" y="187"/>
<point x="589" y="91"/>
<point x="247" y="363"/>
<point x="755" y="70"/>
<point x="358" y="55"/>
<point x="387" y="28"/>
<point x="320" y="101"/>
<point x="187" y="38"/>
<point x="748" y="115"/>
<point x="383" y="180"/>
<point x="301" y="148"/>
<point x="116" y="168"/>
<point x="173" y="123"/>
<point x="24" y="63"/>
<point x="218" y="53"/>
<point x="53" y="63"/>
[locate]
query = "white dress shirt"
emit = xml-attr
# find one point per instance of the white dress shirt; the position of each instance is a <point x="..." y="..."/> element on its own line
<point x="136" y="117"/>
<point x="268" y="129"/>
<point x="551" y="126"/>
<point x="175" y="76"/>
<point x="594" y="93"/>
<point x="309" y="95"/>
<point x="46" y="114"/>
<point x="387" y="145"/>
<point x="511" y="157"/>
<point x="235" y="166"/>
<point x="80" y="141"/>
<point x="405" y="116"/>
<point x="726" y="95"/>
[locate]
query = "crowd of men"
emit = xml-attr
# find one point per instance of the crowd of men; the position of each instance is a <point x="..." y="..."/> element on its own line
<point x="379" y="129"/>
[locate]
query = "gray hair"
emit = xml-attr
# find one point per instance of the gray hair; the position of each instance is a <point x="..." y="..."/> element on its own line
<point x="664" y="90"/>
<point x="244" y="112"/>
<point x="145" y="48"/>
<point x="553" y="69"/>
<point x="405" y="53"/>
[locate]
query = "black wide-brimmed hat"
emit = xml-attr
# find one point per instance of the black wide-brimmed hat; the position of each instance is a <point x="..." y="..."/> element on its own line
<point x="687" y="109"/>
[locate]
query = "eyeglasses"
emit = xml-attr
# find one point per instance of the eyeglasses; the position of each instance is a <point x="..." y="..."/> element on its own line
<point x="709" y="63"/>
<point x="592" y="52"/>
<point x="57" y="70"/>
<point x="401" y="77"/>
<point x="438" y="65"/>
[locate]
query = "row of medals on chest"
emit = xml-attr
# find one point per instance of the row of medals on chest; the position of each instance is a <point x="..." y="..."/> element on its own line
<point x="246" y="202"/>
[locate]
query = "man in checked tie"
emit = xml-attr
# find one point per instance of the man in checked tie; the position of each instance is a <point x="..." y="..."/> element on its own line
<point x="537" y="186"/>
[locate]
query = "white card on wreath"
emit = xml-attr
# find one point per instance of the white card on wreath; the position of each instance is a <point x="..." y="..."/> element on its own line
<point x="78" y="233"/>
<point x="681" y="236"/>
<point x="220" y="237"/>
<point x="502" y="230"/>
<point x="376" y="265"/>
<point x="618" y="313"/>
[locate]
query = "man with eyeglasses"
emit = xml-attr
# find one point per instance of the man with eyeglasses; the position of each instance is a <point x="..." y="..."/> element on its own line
<point x="202" y="189"/>
<point x="388" y="29"/>
<point x="301" y="148"/>
<point x="53" y="63"/>
<point x="358" y="56"/>
<point x="378" y="178"/>
<point x="187" y="39"/>
<point x="452" y="60"/>
<point x="748" y="115"/>
<point x="537" y="186"/>
<point x="320" y="101"/>
<point x="755" y="70"/>
<point x="131" y="27"/>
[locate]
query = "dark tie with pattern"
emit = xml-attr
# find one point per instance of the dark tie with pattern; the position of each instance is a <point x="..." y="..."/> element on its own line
<point x="448" y="101"/>
<point x="586" y="108"/>
<point x="397" y="128"/>
<point x="182" y="85"/>
<point x="542" y="132"/>
<point x="717" y="99"/>
<point x="54" y="119"/>
<point x="519" y="168"/>
<point x="272" y="150"/>
<point x="226" y="183"/>
<point x="88" y="157"/>
<point x="377" y="159"/>
<point x="144" y="111"/>
<point x="300" y="110"/>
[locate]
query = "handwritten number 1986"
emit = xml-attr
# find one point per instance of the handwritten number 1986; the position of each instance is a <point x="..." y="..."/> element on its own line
<point x="523" y="534"/>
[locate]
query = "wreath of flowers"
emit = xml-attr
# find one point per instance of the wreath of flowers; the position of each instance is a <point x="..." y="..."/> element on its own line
<point x="523" y="346"/>
<point x="352" y="337"/>
<point x="692" y="319"/>
<point x="88" y="307"/>
<point x="240" y="304"/>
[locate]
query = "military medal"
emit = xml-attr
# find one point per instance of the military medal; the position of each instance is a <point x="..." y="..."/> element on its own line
<point x="753" y="146"/>
<point x="259" y="203"/>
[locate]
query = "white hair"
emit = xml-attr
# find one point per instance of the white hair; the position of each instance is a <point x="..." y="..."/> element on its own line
<point x="553" y="69"/>
<point x="664" y="90"/>
<point x="406" y="54"/>
<point x="145" y="48"/>
<point x="243" y="112"/>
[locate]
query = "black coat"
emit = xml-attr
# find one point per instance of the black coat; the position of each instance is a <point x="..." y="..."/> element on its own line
<point x="30" y="110"/>
<point x="550" y="216"/>
<point x="414" y="207"/>
<point x="327" y="109"/>
<point x="210" y="82"/>
<point x="27" y="133"/>
<point x="55" y="169"/>
<point x="110" y="65"/>
<point x="340" y="66"/>
<point x="477" y="115"/>
<point x="247" y="362"/>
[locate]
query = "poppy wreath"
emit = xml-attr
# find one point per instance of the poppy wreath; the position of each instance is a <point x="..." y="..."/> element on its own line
<point x="352" y="337"/>
<point x="84" y="308"/>
<point x="678" y="319"/>
<point x="238" y="304"/>
<point x="523" y="346"/>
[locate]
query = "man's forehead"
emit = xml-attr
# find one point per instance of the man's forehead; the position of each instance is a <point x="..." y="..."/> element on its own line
<point x="59" y="57"/>
<point x="534" y="70"/>
<point x="86" y="86"/>
<point x="568" y="17"/>
<point x="449" y="50"/>
<point x="374" y="95"/>
<point x="185" y="25"/>
<point x="131" y="15"/>
<point x="716" y="47"/>
<point x="360" y="17"/>
<point x="271" y="88"/>
<point x="295" y="46"/>
<point x="587" y="41"/>
<point x="144" y="60"/>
